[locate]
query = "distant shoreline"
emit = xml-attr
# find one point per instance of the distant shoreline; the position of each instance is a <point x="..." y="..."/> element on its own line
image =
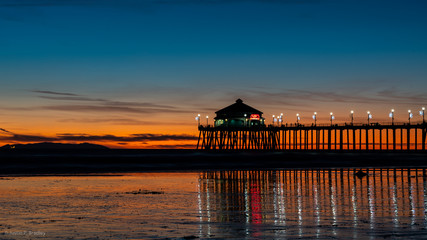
<point x="40" y="161"/>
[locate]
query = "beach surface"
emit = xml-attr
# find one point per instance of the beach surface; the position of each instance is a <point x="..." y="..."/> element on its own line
<point x="227" y="204"/>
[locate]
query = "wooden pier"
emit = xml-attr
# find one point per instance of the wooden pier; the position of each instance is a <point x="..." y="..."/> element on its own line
<point x="392" y="137"/>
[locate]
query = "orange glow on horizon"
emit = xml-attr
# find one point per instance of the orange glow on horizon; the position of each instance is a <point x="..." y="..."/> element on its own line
<point x="51" y="125"/>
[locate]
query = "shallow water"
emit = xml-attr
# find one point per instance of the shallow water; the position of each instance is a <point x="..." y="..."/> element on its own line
<point x="222" y="204"/>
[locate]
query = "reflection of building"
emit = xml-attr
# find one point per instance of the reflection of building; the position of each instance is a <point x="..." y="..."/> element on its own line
<point x="235" y="197"/>
<point x="312" y="203"/>
<point x="238" y="115"/>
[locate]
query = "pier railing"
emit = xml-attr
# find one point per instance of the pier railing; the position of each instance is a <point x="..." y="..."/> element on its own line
<point x="344" y="136"/>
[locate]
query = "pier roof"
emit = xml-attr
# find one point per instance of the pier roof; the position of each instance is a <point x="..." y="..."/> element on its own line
<point x="238" y="107"/>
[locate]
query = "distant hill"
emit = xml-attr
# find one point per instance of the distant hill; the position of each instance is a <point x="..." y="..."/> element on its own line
<point x="49" y="145"/>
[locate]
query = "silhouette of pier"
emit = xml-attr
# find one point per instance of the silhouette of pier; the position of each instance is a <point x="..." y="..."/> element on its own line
<point x="315" y="137"/>
<point x="308" y="200"/>
<point x="243" y="127"/>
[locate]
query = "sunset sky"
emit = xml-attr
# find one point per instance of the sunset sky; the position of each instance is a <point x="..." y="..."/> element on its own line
<point x="135" y="73"/>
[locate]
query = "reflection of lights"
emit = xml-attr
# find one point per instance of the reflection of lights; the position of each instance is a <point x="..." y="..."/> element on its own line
<point x="333" y="205"/>
<point x="304" y="202"/>
<point x="256" y="204"/>
<point x="317" y="207"/>
<point x="395" y="206"/>
<point x="208" y="206"/>
<point x="411" y="199"/>
<point x="199" y="201"/>
<point x="371" y="202"/>
<point x="246" y="205"/>
<point x="276" y="202"/>
<point x="354" y="203"/>
<point x="299" y="207"/>
<point x="282" y="204"/>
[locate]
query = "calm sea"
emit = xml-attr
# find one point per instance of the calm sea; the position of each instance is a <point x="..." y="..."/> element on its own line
<point x="320" y="203"/>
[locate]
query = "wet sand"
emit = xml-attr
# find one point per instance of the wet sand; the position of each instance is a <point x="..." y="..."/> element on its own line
<point x="114" y="160"/>
<point x="285" y="204"/>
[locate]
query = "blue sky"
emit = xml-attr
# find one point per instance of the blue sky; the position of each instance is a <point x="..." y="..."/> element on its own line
<point x="198" y="56"/>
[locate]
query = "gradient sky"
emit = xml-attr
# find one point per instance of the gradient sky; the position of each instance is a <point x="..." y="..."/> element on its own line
<point x="135" y="73"/>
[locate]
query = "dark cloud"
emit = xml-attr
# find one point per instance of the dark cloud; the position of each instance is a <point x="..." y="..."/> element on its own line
<point x="143" y="137"/>
<point x="405" y="97"/>
<point x="6" y="131"/>
<point x="306" y="98"/>
<point x="122" y="140"/>
<point x="107" y="102"/>
<point x="137" y="104"/>
<point x="89" y="104"/>
<point x="70" y="98"/>
<point x="54" y="93"/>
<point x="119" y="121"/>
<point x="123" y="121"/>
<point x="174" y="146"/>
<point x="109" y="109"/>
<point x="131" y="138"/>
<point x="28" y="138"/>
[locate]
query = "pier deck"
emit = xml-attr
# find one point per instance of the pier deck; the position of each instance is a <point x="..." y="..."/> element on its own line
<point x="375" y="136"/>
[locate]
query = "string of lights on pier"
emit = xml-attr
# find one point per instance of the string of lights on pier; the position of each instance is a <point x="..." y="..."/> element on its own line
<point x="279" y="119"/>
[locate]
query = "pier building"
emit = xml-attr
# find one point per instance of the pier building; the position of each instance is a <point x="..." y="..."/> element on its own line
<point x="238" y="114"/>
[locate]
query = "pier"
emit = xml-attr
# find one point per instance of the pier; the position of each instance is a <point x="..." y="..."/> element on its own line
<point x="242" y="127"/>
<point x="375" y="136"/>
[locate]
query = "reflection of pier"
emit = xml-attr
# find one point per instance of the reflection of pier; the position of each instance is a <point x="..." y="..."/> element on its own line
<point x="315" y="137"/>
<point x="315" y="202"/>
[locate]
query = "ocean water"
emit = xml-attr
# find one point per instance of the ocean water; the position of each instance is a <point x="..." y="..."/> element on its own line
<point x="303" y="203"/>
